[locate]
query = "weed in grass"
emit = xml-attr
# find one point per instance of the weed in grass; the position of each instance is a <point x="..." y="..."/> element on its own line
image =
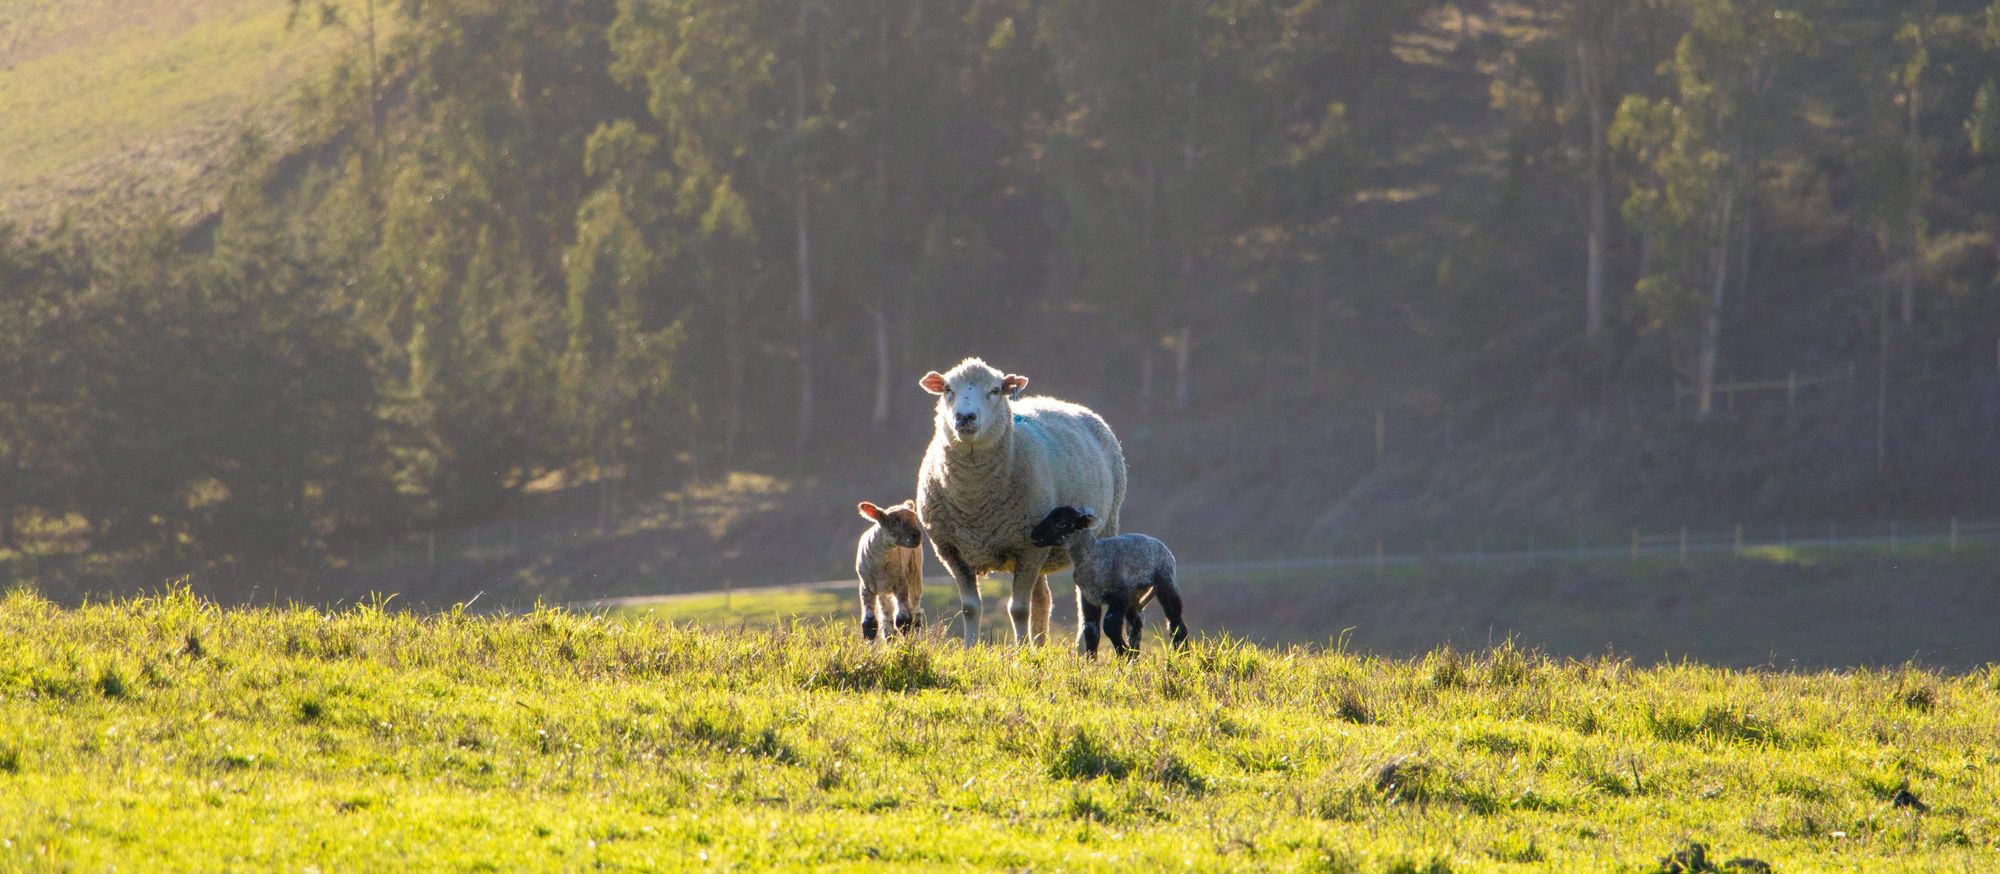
<point x="1351" y="707"/>
<point x="1517" y="849"/>
<point x="111" y="682"/>
<point x="1084" y="756"/>
<point x="1446" y="668"/>
<point x="1917" y="694"/>
<point x="1171" y="771"/>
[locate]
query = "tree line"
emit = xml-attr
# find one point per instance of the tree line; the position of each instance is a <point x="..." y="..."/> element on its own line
<point x="645" y="238"/>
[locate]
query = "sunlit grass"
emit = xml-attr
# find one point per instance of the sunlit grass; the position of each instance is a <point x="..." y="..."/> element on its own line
<point x="168" y="734"/>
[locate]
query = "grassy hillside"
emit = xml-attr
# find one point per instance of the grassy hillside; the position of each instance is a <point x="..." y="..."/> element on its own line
<point x="122" y="106"/>
<point x="169" y="734"/>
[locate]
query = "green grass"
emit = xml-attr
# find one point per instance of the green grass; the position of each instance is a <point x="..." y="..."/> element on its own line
<point x="168" y="734"/>
<point x="124" y="104"/>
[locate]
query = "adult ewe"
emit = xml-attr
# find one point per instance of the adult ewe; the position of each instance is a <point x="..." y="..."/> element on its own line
<point x="995" y="467"/>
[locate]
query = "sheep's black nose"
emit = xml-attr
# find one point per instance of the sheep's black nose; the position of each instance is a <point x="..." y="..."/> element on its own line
<point x="965" y="419"/>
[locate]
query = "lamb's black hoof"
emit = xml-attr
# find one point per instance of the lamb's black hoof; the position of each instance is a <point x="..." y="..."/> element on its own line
<point x="868" y="629"/>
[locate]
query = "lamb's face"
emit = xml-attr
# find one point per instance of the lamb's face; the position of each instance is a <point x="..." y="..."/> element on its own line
<point x="1060" y="524"/>
<point x="975" y="401"/>
<point x="900" y="521"/>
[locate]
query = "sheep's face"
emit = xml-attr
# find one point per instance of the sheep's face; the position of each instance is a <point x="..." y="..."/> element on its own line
<point x="1060" y="524"/>
<point x="900" y="521"/>
<point x="975" y="401"/>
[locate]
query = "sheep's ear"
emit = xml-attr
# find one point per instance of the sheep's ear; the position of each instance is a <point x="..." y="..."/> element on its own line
<point x="870" y="511"/>
<point x="933" y="382"/>
<point x="1013" y="384"/>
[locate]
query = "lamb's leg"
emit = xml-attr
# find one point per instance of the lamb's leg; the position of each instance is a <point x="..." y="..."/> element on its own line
<point x="1027" y="569"/>
<point x="869" y="621"/>
<point x="915" y="596"/>
<point x="905" y="620"/>
<point x="1040" y="607"/>
<point x="1115" y="608"/>
<point x="1134" y="626"/>
<point x="1170" y="602"/>
<point x="968" y="591"/>
<point x="1088" y="616"/>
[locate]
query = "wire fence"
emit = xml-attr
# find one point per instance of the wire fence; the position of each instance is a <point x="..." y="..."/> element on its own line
<point x="1948" y="538"/>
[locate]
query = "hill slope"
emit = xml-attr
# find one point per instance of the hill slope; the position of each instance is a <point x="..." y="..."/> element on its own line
<point x="169" y="733"/>
<point x="122" y="106"/>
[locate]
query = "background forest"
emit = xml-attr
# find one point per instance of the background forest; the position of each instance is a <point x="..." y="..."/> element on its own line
<point x="1336" y="270"/>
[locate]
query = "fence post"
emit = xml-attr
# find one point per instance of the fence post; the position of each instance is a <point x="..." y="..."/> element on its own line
<point x="1684" y="543"/>
<point x="1953" y="548"/>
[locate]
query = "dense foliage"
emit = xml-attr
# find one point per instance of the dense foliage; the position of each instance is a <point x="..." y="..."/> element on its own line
<point x="651" y="237"/>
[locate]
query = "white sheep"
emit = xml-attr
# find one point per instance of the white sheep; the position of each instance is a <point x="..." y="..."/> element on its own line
<point x="995" y="466"/>
<point x="891" y="568"/>
<point x="1117" y="576"/>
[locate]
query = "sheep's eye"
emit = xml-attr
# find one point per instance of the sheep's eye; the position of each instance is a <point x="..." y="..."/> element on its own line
<point x="995" y="391"/>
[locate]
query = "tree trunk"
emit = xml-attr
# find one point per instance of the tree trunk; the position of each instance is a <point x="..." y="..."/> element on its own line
<point x="1711" y="329"/>
<point x="802" y="203"/>
<point x="1147" y="284"/>
<point x="883" y="293"/>
<point x="1146" y="376"/>
<point x="1595" y="62"/>
<point x="1882" y="384"/>
<point x="733" y="351"/>
<point x="1916" y="212"/>
<point x="881" y="415"/>
<point x="1182" y="342"/>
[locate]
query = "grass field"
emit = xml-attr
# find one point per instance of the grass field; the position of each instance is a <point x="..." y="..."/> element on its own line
<point x="117" y="107"/>
<point x="168" y="734"/>
<point x="1798" y="607"/>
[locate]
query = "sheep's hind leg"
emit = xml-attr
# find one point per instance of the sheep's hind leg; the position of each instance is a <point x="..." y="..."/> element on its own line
<point x="1040" y="606"/>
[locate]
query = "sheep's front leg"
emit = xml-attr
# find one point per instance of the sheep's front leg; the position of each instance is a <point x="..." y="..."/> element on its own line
<point x="968" y="591"/>
<point x="1027" y="570"/>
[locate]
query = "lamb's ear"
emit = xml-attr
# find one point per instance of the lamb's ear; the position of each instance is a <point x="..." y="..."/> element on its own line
<point x="933" y="382"/>
<point x="870" y="511"/>
<point x="1013" y="384"/>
